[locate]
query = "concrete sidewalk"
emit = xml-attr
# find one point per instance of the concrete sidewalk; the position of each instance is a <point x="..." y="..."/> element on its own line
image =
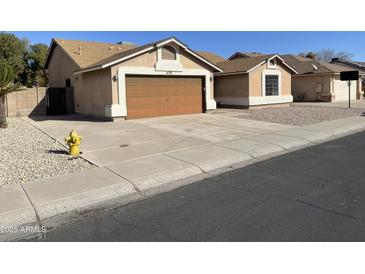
<point x="138" y="171"/>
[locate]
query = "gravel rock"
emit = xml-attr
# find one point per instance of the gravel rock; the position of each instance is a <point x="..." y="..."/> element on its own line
<point x="27" y="154"/>
<point x="296" y="115"/>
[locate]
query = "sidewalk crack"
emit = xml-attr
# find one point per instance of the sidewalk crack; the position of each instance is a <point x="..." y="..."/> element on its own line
<point x="187" y="162"/>
<point x="124" y="178"/>
<point x="39" y="222"/>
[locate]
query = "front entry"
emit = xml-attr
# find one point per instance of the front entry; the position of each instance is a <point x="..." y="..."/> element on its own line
<point x="150" y="96"/>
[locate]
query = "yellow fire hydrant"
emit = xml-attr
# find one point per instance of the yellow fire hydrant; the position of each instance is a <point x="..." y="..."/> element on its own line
<point x="73" y="141"/>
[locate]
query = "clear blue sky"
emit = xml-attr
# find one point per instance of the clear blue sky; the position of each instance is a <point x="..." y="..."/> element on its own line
<point x="225" y="43"/>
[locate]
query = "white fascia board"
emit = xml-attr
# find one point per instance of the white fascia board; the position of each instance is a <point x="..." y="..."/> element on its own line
<point x="87" y="70"/>
<point x="146" y="50"/>
<point x="127" y="57"/>
<point x="189" y="51"/>
<point x="229" y="73"/>
<point x="275" y="56"/>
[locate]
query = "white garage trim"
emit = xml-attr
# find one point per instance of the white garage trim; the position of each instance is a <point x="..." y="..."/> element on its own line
<point x="120" y="109"/>
<point x="255" y="100"/>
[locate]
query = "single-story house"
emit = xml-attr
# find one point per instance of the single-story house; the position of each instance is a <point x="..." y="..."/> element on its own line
<point x="320" y="81"/>
<point x="161" y="78"/>
<point x="354" y="65"/>
<point x="248" y="82"/>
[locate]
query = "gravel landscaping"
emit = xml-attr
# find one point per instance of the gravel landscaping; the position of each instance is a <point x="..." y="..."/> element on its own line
<point x="295" y="115"/>
<point x="27" y="154"/>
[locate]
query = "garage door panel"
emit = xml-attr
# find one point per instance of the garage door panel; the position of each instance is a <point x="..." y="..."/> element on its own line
<point x="163" y="96"/>
<point x="342" y="90"/>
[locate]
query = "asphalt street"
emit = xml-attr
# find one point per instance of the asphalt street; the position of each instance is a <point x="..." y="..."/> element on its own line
<point x="315" y="194"/>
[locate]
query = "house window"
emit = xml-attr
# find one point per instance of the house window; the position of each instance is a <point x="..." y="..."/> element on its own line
<point x="271" y="85"/>
<point x="68" y="83"/>
<point x="168" y="53"/>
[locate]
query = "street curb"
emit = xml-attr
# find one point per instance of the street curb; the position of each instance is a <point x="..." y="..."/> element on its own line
<point x="61" y="216"/>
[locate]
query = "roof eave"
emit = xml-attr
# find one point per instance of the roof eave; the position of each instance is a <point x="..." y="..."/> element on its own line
<point x="169" y="40"/>
<point x="229" y="73"/>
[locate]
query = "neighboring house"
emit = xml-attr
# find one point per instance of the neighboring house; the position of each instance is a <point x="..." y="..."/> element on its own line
<point x="212" y="57"/>
<point x="355" y="65"/>
<point x="320" y="81"/>
<point x="116" y="80"/>
<point x="244" y="55"/>
<point x="253" y="81"/>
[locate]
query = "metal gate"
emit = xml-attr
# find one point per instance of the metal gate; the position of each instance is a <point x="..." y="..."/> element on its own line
<point x="60" y="101"/>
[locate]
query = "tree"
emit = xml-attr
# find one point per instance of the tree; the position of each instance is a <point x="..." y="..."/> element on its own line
<point x="326" y="55"/>
<point x="344" y="55"/>
<point x="13" y="52"/>
<point x="7" y="85"/>
<point x="35" y="60"/>
<point x="309" y="54"/>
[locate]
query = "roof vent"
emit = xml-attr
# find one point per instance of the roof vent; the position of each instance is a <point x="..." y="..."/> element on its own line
<point x="315" y="67"/>
<point x="126" y="43"/>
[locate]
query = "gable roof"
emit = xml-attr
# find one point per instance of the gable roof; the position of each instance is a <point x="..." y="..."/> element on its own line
<point x="212" y="57"/>
<point x="125" y="55"/>
<point x="309" y="66"/>
<point x="245" y="55"/>
<point x="354" y="64"/>
<point x="245" y="65"/>
<point x="85" y="53"/>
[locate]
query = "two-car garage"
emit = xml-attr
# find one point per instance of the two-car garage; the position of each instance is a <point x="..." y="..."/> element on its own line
<point x="153" y="96"/>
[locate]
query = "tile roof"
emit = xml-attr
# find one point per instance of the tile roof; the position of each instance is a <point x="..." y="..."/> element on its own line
<point x="91" y="52"/>
<point x="243" y="64"/>
<point x="212" y="57"/>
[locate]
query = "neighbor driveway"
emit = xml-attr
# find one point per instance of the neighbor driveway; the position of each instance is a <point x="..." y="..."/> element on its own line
<point x="338" y="104"/>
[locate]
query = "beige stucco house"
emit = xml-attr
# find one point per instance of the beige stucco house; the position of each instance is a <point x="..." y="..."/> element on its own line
<point x="252" y="81"/>
<point x="125" y="81"/>
<point x="320" y="81"/>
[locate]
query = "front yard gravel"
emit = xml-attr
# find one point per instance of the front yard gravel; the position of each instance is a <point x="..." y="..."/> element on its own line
<point x="27" y="154"/>
<point x="295" y="115"/>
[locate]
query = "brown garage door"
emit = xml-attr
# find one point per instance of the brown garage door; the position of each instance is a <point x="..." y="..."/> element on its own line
<point x="162" y="96"/>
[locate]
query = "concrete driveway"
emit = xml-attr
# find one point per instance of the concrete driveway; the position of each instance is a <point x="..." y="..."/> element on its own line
<point x="183" y="137"/>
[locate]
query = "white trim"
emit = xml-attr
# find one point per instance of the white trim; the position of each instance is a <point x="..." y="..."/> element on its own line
<point x="251" y="69"/>
<point x="123" y="71"/>
<point x="114" y="110"/>
<point x="271" y="66"/>
<point x="228" y="73"/>
<point x="263" y="82"/>
<point x="148" y="49"/>
<point x="254" y="100"/>
<point x="274" y="56"/>
<point x="168" y="65"/>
